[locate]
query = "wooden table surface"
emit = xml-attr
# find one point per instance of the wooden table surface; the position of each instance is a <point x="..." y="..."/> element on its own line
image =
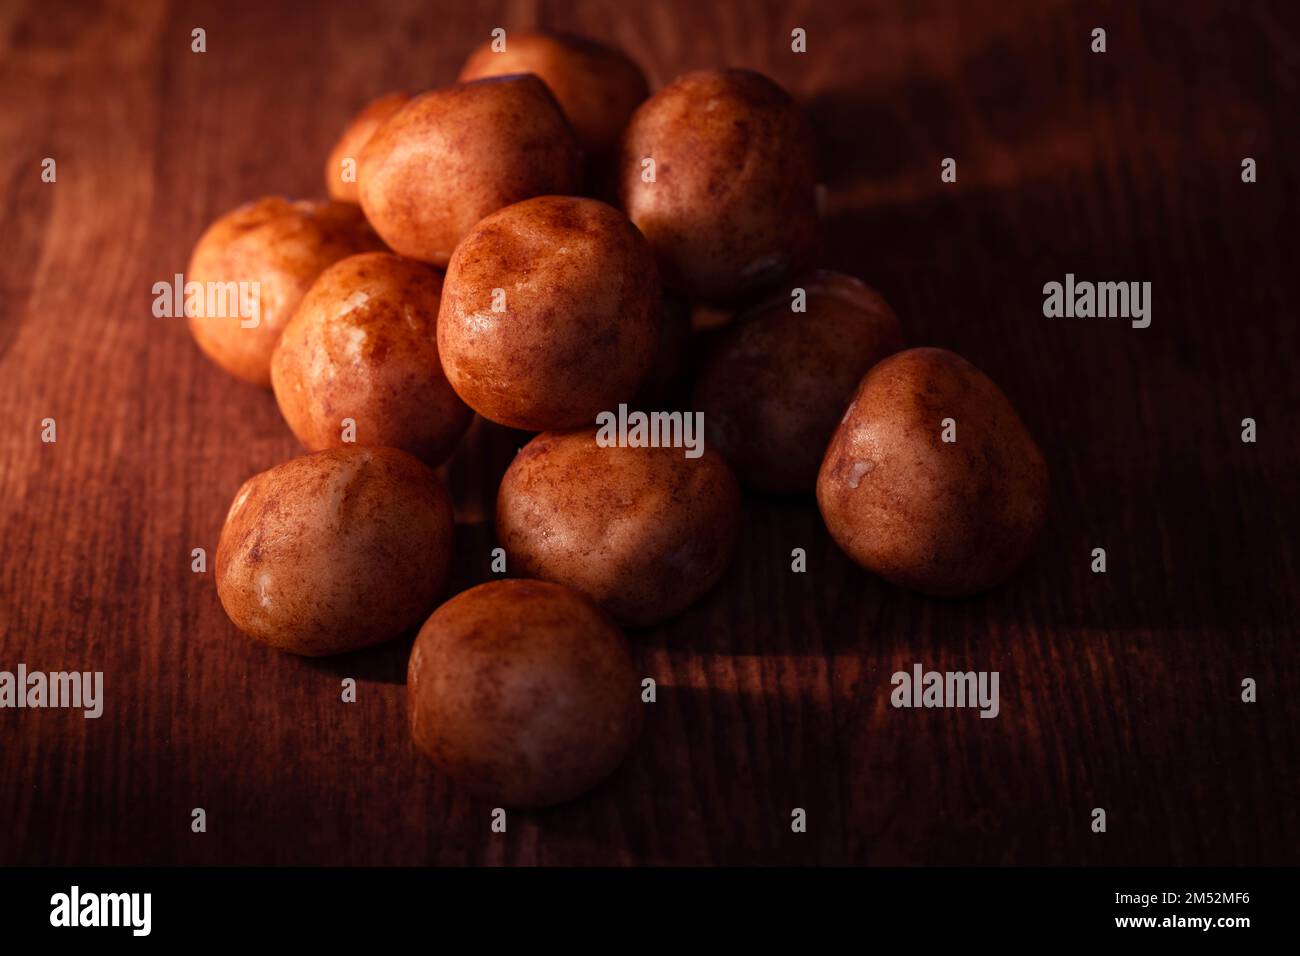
<point x="1118" y="690"/>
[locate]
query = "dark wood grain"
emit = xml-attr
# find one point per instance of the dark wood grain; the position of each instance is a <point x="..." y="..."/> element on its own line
<point x="1118" y="690"/>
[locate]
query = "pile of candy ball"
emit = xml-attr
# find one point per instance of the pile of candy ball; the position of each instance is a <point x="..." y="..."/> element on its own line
<point x="530" y="245"/>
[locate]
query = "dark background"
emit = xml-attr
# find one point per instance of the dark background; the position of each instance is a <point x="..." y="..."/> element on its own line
<point x="1119" y="690"/>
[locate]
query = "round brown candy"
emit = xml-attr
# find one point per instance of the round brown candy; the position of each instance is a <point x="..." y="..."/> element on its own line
<point x="775" y="386"/>
<point x="335" y="551"/>
<point x="523" y="692"/>
<point x="363" y="348"/>
<point x="276" y="248"/>
<point x="449" y="157"/>
<point x="944" y="517"/>
<point x="597" y="86"/>
<point x="550" y="313"/>
<point x="718" y="170"/>
<point x="341" y="166"/>
<point x="643" y="532"/>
